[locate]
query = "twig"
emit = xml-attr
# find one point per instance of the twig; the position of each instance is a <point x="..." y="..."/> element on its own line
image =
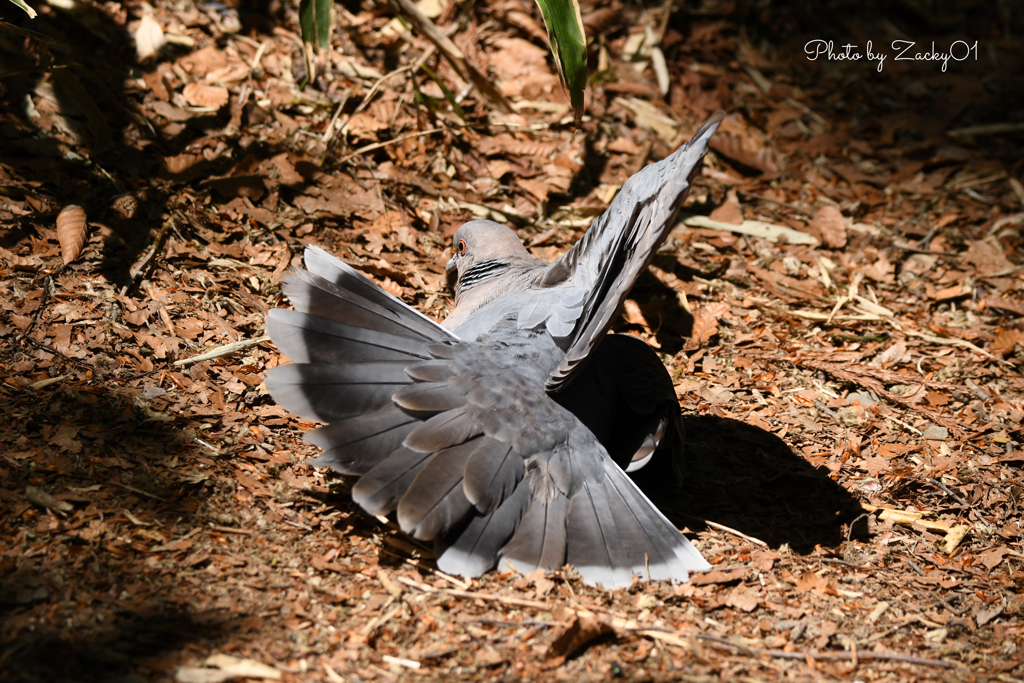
<point x="453" y="54"/>
<point x="230" y="530"/>
<point x="952" y="494"/>
<point x="916" y="250"/>
<point x="158" y="244"/>
<point x="862" y="655"/>
<point x="329" y="133"/>
<point x="377" y="145"/>
<point x="987" y="129"/>
<point x="114" y="483"/>
<point x="225" y="350"/>
<point x="913" y="565"/>
<point x="734" y="532"/>
<point x="841" y="563"/>
<point x="854" y="655"/>
<point x="50" y="349"/>
<point x="473" y="595"/>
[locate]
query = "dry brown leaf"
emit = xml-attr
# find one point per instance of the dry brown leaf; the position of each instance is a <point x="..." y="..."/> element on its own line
<point x="633" y="315"/>
<point x="506" y="144"/>
<point x="730" y="211"/>
<point x="181" y="163"/>
<point x="992" y="558"/>
<point x="705" y="578"/>
<point x="71" y="230"/>
<point x="987" y="258"/>
<point x="810" y="581"/>
<point x="875" y="465"/>
<point x="538" y="188"/>
<point x="498" y="168"/>
<point x="1006" y="341"/>
<point x="881" y="270"/>
<point x="623" y="145"/>
<point x="829" y="225"/>
<point x="585" y="627"/>
<point x="210" y="96"/>
<point x="391" y="287"/>
<point x="19" y="262"/>
<point x="705" y="324"/>
<point x="742" y="143"/>
<point x="364" y="126"/>
<point x="743" y="599"/>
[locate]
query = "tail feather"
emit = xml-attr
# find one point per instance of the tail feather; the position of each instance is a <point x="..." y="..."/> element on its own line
<point x="540" y="539"/>
<point x="379" y="490"/>
<point x="356" y="445"/>
<point x="326" y="393"/>
<point x="435" y="501"/>
<point x="442" y="431"/>
<point x="595" y="546"/>
<point x="474" y="549"/>
<point x="430" y="396"/>
<point x="348" y="284"/>
<point x="647" y="533"/>
<point x="492" y="473"/>
<point x="312" y="294"/>
<point x="306" y="338"/>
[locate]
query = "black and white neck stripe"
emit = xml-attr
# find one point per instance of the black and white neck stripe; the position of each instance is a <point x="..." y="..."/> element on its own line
<point x="479" y="272"/>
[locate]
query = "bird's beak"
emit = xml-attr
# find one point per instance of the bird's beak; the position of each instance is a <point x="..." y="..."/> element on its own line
<point x="451" y="273"/>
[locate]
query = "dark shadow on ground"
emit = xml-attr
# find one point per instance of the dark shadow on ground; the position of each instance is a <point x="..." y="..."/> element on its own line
<point x="115" y="652"/>
<point x="114" y="165"/>
<point x="749" y="480"/>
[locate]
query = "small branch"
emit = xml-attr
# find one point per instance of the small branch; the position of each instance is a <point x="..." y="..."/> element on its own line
<point x="377" y="145"/>
<point x="862" y="655"/>
<point x="114" y="483"/>
<point x="140" y="269"/>
<point x="230" y="530"/>
<point x="473" y="595"/>
<point x="225" y="350"/>
<point x="734" y="532"/>
<point x="453" y="54"/>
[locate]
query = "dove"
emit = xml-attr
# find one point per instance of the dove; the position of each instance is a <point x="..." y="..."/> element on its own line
<point x="493" y="435"/>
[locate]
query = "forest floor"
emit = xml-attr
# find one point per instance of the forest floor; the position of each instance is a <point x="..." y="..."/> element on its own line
<point x="853" y="403"/>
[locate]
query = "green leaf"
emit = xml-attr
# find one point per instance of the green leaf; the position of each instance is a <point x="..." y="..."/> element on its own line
<point x="449" y="96"/>
<point x="569" y="45"/>
<point x="28" y="10"/>
<point x="315" y="21"/>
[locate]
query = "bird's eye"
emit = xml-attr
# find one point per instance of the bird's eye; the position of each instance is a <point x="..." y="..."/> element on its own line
<point x="462" y="247"/>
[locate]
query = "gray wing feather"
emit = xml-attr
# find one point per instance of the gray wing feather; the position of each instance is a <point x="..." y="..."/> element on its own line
<point x="380" y="489"/>
<point x="326" y="393"/>
<point x="620" y="245"/>
<point x="474" y="549"/>
<point x="540" y="539"/>
<point x="344" y="278"/>
<point x="308" y="338"/>
<point x="492" y="473"/>
<point x="445" y="429"/>
<point x="356" y="445"/>
<point x="435" y="501"/>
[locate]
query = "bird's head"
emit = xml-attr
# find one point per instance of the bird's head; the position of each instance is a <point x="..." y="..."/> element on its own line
<point x="480" y="242"/>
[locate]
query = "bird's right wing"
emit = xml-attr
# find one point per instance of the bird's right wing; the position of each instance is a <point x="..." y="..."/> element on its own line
<point x="619" y="245"/>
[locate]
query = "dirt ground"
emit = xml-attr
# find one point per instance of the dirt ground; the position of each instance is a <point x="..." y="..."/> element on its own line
<point x="853" y="403"/>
